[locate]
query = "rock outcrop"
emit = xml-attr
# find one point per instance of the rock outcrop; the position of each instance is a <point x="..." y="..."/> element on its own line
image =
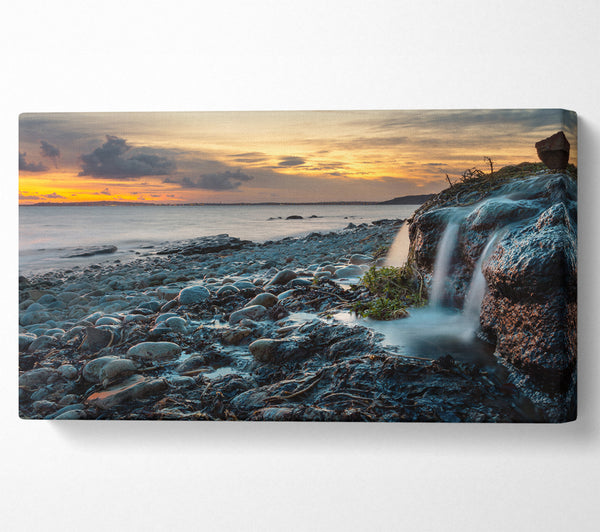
<point x="530" y="307"/>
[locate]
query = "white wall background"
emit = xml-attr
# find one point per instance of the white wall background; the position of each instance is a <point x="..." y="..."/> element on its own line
<point x="149" y="55"/>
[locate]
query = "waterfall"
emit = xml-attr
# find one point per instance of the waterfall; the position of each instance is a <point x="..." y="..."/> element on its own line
<point x="398" y="253"/>
<point x="441" y="268"/>
<point x="477" y="289"/>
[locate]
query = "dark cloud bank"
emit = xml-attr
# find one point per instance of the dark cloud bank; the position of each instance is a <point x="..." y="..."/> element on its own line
<point x="30" y="167"/>
<point x="216" y="181"/>
<point x="108" y="161"/>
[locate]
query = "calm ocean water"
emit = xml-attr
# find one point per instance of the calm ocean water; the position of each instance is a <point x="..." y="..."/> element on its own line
<point x="48" y="234"/>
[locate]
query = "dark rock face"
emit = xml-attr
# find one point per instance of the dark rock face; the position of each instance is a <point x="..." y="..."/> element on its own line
<point x="554" y="151"/>
<point x="530" y="309"/>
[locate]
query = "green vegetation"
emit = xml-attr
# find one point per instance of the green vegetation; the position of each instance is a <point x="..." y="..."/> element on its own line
<point x="393" y="291"/>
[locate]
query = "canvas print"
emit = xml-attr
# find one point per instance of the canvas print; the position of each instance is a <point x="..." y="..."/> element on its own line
<point x="388" y="266"/>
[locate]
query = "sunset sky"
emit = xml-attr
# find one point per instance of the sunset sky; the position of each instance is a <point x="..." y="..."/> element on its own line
<point x="299" y="156"/>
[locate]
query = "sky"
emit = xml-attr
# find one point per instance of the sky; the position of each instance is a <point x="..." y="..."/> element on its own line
<point x="279" y="156"/>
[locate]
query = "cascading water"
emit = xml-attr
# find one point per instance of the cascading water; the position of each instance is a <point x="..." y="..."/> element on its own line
<point x="477" y="290"/>
<point x="398" y="253"/>
<point x="441" y="268"/>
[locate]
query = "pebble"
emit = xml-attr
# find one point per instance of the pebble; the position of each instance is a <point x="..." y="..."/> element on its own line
<point x="116" y="370"/>
<point x="91" y="371"/>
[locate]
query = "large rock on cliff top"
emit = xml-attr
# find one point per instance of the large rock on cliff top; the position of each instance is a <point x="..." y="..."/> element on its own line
<point x="554" y="151"/>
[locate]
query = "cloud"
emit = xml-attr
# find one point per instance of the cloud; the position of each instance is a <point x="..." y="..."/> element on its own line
<point x="50" y="151"/>
<point x="28" y="197"/>
<point x="216" y="181"/>
<point x="291" y="161"/>
<point x="54" y="195"/>
<point x="108" y="162"/>
<point x="30" y="167"/>
<point x="105" y="192"/>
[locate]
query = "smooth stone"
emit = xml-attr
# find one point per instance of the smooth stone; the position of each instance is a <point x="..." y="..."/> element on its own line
<point x="286" y="294"/>
<point x="165" y="317"/>
<point x="155" y="350"/>
<point x="136" y="387"/>
<point x="35" y="307"/>
<point x="254" y="312"/>
<point x="181" y="381"/>
<point x="297" y="283"/>
<point x="266" y="299"/>
<point x="360" y="259"/>
<point x="116" y="370"/>
<point x="93" y="318"/>
<point x="25" y="341"/>
<point x="65" y="409"/>
<point x="43" y="407"/>
<point x="348" y="271"/>
<point x="68" y="399"/>
<point x="68" y="371"/>
<point x="245" y="286"/>
<point x="91" y="371"/>
<point x="38" y="376"/>
<point x="46" y="299"/>
<point x="265" y="349"/>
<point x="228" y="290"/>
<point x="56" y="331"/>
<point x="193" y="295"/>
<point x="283" y="277"/>
<point x="33" y="317"/>
<point x="136" y="318"/>
<point x="324" y="274"/>
<point x="107" y="320"/>
<point x="177" y="324"/>
<point x="71" y="414"/>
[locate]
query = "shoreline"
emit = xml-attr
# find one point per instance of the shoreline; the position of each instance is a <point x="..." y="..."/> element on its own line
<point x="234" y="329"/>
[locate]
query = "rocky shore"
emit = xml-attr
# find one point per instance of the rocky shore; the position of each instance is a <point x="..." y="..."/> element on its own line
<point x="219" y="328"/>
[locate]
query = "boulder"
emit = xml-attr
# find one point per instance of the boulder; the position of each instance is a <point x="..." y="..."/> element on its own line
<point x="554" y="151"/>
<point x="283" y="277"/>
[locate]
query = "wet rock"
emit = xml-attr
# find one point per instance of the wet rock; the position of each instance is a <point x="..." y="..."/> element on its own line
<point x="235" y="336"/>
<point x="554" y="151"/>
<point x="254" y="312"/>
<point x="91" y="371"/>
<point x="177" y="324"/>
<point x="265" y="299"/>
<point x="116" y="370"/>
<point x="227" y="290"/>
<point x="193" y="295"/>
<point x="72" y="414"/>
<point x="283" y="277"/>
<point x="37" y="377"/>
<point x="269" y="350"/>
<point x="25" y="341"/>
<point x="208" y="244"/>
<point x="96" y="339"/>
<point x="42" y="343"/>
<point x="108" y="320"/>
<point x="360" y="259"/>
<point x="68" y="371"/>
<point x="44" y="407"/>
<point x="32" y="317"/>
<point x="348" y="271"/>
<point x="155" y="351"/>
<point x="192" y="363"/>
<point x="136" y="387"/>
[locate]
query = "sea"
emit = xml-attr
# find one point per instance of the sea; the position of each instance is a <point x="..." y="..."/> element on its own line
<point x="48" y="235"/>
